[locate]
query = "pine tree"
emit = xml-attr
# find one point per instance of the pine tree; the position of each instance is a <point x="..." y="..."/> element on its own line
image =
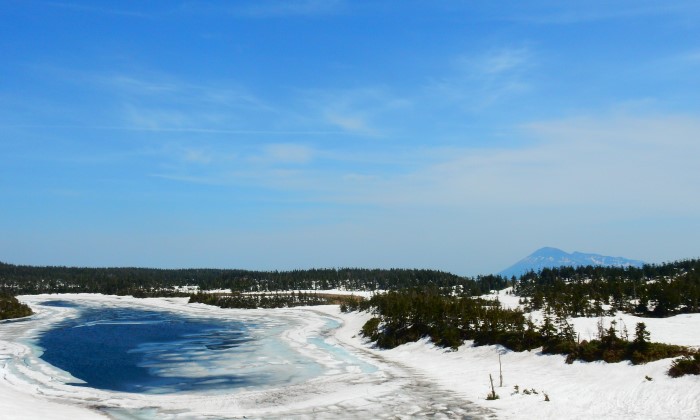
<point x="641" y="336"/>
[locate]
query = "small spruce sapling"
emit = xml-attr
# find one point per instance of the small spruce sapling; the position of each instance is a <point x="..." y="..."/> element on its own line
<point x="624" y="333"/>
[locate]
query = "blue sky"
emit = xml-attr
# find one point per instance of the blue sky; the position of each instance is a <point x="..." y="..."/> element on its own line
<point x="455" y="135"/>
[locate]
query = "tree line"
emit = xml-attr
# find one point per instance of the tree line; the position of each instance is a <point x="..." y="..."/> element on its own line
<point x="269" y="300"/>
<point x="650" y="291"/>
<point x="19" y="279"/>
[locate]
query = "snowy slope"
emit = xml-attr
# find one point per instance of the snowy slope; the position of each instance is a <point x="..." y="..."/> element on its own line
<point x="580" y="390"/>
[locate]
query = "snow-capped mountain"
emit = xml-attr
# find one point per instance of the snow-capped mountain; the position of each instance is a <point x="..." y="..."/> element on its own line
<point x="549" y="257"/>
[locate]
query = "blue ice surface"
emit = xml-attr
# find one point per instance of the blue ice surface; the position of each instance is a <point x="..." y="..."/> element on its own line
<point x="157" y="352"/>
<point x="132" y="350"/>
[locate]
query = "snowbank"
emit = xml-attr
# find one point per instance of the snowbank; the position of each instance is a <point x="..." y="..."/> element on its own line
<point x="359" y="381"/>
<point x="578" y="391"/>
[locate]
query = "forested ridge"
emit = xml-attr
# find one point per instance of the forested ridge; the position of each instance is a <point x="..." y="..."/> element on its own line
<point x="19" y="279"/>
<point x="651" y="291"/>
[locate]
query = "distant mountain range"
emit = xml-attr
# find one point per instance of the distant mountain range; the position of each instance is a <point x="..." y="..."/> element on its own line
<point x="552" y="257"/>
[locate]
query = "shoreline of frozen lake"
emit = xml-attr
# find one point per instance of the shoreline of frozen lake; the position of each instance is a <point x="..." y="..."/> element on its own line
<point x="354" y="382"/>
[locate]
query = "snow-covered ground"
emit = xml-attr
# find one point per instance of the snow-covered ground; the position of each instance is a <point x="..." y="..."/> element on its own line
<point x="413" y="380"/>
<point x="354" y="382"/>
<point x="577" y="391"/>
<point x="683" y="330"/>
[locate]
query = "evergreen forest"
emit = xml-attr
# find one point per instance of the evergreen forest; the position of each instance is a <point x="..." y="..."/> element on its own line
<point x="651" y="291"/>
<point x="19" y="279"/>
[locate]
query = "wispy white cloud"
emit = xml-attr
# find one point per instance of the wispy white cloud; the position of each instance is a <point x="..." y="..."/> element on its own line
<point x="498" y="62"/>
<point x="477" y="81"/>
<point x="357" y="111"/>
<point x="286" y="153"/>
<point x="165" y="87"/>
<point x="161" y="102"/>
<point x="268" y="165"/>
<point x="155" y="119"/>
<point x="197" y="156"/>
<point x="613" y="164"/>
<point x="351" y="123"/>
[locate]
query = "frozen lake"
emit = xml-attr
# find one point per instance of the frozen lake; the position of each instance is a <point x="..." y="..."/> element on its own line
<point x="138" y="350"/>
<point x="90" y="356"/>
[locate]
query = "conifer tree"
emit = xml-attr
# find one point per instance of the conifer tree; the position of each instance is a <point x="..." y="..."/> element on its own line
<point x="641" y="336"/>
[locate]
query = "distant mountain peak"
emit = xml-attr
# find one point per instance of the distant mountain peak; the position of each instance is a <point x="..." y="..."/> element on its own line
<point x="549" y="249"/>
<point x="550" y="257"/>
